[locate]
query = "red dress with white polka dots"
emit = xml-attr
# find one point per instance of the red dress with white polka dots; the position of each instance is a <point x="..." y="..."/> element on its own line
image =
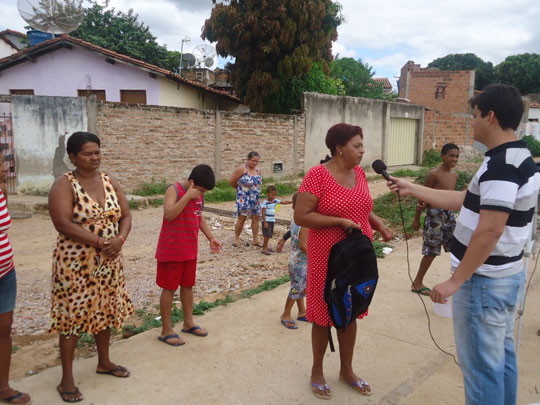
<point x="336" y="201"/>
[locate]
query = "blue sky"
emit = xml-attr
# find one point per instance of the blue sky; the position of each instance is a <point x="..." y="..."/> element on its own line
<point x="384" y="33"/>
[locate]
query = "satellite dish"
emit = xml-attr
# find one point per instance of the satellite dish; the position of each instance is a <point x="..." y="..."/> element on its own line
<point x="52" y="16"/>
<point x="203" y="52"/>
<point x="188" y="61"/>
<point x="208" y="62"/>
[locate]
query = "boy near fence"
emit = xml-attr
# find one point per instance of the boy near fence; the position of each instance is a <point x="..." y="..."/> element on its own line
<point x="178" y="248"/>
<point x="268" y="217"/>
<point x="439" y="224"/>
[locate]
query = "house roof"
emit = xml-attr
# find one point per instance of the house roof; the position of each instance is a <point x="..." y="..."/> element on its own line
<point x="384" y="81"/>
<point x="65" y="41"/>
<point x="11" y="32"/>
<point x="4" y="38"/>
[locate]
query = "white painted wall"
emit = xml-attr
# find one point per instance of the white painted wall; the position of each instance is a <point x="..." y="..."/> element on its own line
<point x="38" y="125"/>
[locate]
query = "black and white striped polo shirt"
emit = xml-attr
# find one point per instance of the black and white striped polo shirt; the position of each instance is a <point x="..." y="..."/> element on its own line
<point x="507" y="181"/>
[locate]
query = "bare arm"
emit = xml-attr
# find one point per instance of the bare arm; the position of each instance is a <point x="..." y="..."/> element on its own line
<point x="124" y="223"/>
<point x="215" y="246"/>
<point x="483" y="240"/>
<point x="173" y="207"/>
<point x="445" y="199"/>
<point x="61" y="211"/>
<point x="378" y="225"/>
<point x="306" y="216"/>
<point x="302" y="238"/>
<point x="238" y="172"/>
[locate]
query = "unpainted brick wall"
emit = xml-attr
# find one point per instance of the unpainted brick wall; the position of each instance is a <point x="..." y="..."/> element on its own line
<point x="450" y="117"/>
<point x="142" y="142"/>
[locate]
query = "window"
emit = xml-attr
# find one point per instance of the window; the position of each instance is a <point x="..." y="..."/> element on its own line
<point x="440" y="91"/>
<point x="24" y="92"/>
<point x="133" y="96"/>
<point x="277" y="168"/>
<point x="100" y="94"/>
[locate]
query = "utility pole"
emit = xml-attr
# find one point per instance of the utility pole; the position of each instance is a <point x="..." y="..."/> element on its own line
<point x="186" y="39"/>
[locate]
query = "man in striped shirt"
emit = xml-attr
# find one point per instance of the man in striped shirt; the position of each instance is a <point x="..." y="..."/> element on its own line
<point x="493" y="227"/>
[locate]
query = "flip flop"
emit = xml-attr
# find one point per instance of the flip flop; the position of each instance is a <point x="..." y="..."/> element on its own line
<point x="422" y="291"/>
<point x="258" y="244"/>
<point x="266" y="252"/>
<point x="302" y="318"/>
<point x="289" y="324"/>
<point x="235" y="244"/>
<point x="192" y="331"/>
<point x="117" y="369"/>
<point x="14" y="397"/>
<point x="166" y="339"/>
<point x="359" y="386"/>
<point x="64" y="394"/>
<point x="316" y="388"/>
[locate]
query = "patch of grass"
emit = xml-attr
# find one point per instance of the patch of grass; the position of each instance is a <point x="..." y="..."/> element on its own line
<point x="156" y="202"/>
<point x="152" y="188"/>
<point x="85" y="339"/>
<point x="149" y="320"/>
<point x="14" y="349"/>
<point x="378" y="245"/>
<point x="134" y="205"/>
<point x="387" y="207"/>
<point x="463" y="180"/>
<point x="219" y="194"/>
<point x="431" y="157"/>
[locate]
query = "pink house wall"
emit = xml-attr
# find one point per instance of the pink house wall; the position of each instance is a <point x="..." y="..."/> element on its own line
<point x="63" y="72"/>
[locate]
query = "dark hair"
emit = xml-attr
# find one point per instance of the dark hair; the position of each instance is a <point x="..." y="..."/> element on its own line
<point x="505" y="101"/>
<point x="78" y="139"/>
<point x="203" y="176"/>
<point x="252" y="154"/>
<point x="340" y="134"/>
<point x="271" y="187"/>
<point x="326" y="159"/>
<point x="448" y="147"/>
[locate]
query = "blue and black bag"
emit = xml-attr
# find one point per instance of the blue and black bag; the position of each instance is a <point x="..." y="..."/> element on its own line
<point x="351" y="279"/>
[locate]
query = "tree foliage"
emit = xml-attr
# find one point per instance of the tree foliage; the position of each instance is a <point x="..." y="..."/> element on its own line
<point x="123" y="33"/>
<point x="521" y="71"/>
<point x="274" y="43"/>
<point x="356" y="77"/>
<point x="485" y="73"/>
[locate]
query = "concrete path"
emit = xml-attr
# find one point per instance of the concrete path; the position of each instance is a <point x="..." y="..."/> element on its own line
<point x="250" y="358"/>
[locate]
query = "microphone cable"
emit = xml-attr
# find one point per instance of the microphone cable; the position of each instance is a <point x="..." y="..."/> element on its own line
<point x="412" y="283"/>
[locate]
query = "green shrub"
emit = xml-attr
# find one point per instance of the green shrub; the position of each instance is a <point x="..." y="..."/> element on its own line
<point x="387" y="207"/>
<point x="533" y="145"/>
<point x="432" y="157"/>
<point x="463" y="180"/>
<point x="152" y="188"/>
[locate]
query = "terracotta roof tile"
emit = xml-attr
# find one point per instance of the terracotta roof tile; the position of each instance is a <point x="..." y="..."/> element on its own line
<point x="385" y="82"/>
<point x="76" y="41"/>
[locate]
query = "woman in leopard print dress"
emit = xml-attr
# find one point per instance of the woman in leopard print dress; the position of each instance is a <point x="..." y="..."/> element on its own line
<point x="91" y="214"/>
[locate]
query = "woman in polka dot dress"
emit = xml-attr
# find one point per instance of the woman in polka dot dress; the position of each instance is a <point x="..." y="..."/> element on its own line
<point x="333" y="197"/>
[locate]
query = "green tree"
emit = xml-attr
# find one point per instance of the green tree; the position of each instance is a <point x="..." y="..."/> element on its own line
<point x="356" y="77"/>
<point x="522" y="71"/>
<point x="485" y="73"/>
<point x="274" y="43"/>
<point x="123" y="33"/>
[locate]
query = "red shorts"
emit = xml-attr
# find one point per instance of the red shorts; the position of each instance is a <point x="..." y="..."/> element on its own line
<point x="170" y="275"/>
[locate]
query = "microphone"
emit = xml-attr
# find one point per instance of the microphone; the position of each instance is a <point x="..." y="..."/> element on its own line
<point x="380" y="168"/>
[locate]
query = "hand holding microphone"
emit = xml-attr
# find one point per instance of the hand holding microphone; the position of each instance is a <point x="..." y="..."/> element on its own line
<point x="398" y="186"/>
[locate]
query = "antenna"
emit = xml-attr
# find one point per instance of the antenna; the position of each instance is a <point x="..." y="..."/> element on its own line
<point x="186" y="40"/>
<point x="52" y="16"/>
<point x="204" y="54"/>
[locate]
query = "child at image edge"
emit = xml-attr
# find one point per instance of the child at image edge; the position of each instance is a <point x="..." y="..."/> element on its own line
<point x="439" y="224"/>
<point x="268" y="216"/>
<point x="178" y="247"/>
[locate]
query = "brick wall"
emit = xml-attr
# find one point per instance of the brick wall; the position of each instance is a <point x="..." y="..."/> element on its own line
<point x="446" y="94"/>
<point x="141" y="142"/>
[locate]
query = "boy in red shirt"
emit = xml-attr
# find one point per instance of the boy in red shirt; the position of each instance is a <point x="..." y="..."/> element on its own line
<point x="178" y="247"/>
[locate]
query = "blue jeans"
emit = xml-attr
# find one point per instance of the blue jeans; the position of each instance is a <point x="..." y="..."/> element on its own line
<point x="484" y="315"/>
<point x="8" y="292"/>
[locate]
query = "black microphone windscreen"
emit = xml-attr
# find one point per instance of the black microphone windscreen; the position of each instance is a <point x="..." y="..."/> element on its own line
<point x="379" y="166"/>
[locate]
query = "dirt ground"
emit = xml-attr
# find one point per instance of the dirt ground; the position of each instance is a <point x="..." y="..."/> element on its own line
<point x="232" y="271"/>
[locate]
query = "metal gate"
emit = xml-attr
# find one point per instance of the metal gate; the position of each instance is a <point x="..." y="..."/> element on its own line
<point x="402" y="143"/>
<point x="8" y="150"/>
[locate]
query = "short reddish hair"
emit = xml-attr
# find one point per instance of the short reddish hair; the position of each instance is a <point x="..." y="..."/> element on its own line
<point x="340" y="134"/>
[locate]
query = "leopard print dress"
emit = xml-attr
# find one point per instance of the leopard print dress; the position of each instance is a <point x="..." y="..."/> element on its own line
<point x="88" y="290"/>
